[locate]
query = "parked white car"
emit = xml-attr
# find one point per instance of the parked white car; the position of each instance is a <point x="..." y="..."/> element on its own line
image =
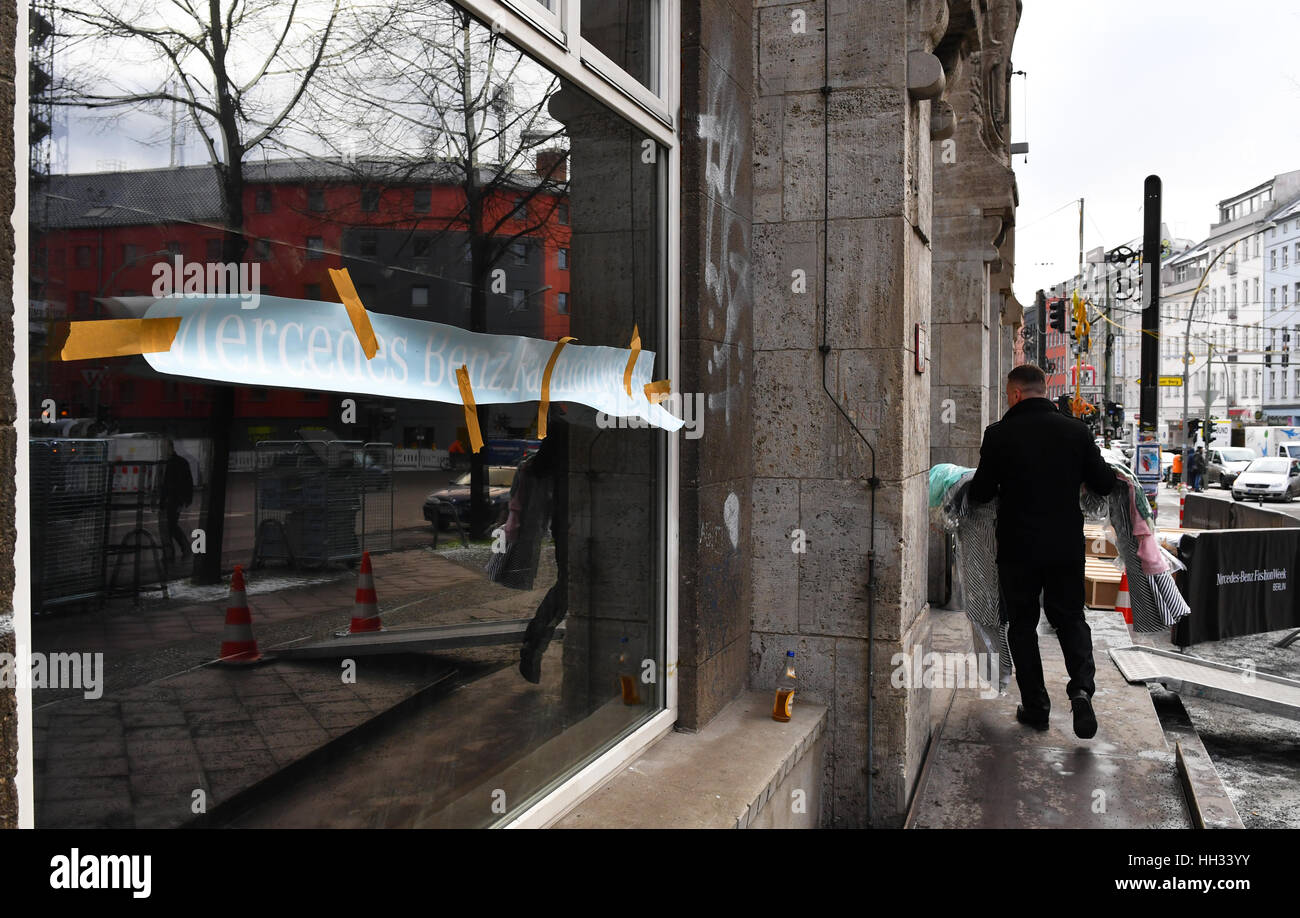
<point x="1270" y="478"/>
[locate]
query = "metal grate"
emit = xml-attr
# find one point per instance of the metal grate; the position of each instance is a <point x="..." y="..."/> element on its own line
<point x="69" y="493"/>
<point x="320" y="501"/>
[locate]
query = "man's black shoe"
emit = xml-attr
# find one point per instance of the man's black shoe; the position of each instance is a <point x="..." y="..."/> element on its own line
<point x="1085" y="721"/>
<point x="1031" y="717"/>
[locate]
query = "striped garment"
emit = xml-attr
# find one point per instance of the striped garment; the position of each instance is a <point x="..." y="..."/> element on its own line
<point x="974" y="526"/>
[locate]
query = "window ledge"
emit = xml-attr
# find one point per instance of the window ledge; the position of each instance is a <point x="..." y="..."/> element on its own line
<point x="743" y="770"/>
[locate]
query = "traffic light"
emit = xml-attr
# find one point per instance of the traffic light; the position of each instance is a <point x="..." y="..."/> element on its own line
<point x="1193" y="428"/>
<point x="1063" y="405"/>
<point x="1058" y="316"/>
<point x="1209" y="431"/>
<point x="1286" y="348"/>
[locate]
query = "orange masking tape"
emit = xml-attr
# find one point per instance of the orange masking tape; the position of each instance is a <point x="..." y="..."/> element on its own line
<point x="471" y="412"/>
<point x="356" y="311"/>
<point x="631" y="360"/>
<point x="658" y="390"/>
<point x="119" y="337"/>
<point x="545" y="402"/>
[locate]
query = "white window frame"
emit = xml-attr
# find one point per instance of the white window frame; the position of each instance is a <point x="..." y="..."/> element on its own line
<point x="555" y="41"/>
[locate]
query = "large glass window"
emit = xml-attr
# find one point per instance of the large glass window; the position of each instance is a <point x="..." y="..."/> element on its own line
<point x="521" y="587"/>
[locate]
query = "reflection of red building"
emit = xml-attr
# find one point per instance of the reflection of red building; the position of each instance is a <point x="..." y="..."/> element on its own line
<point x="402" y="241"/>
<point x="1059" y="359"/>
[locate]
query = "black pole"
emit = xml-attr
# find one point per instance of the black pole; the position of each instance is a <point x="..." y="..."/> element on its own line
<point x="1040" y="350"/>
<point x="1149" y="403"/>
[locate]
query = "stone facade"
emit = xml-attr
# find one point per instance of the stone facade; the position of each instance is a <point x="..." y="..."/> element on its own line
<point x="975" y="315"/>
<point x="810" y="202"/>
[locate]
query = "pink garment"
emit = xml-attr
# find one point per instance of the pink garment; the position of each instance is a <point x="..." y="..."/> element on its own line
<point x="1148" y="548"/>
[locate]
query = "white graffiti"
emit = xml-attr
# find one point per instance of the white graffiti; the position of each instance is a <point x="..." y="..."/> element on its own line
<point x="726" y="238"/>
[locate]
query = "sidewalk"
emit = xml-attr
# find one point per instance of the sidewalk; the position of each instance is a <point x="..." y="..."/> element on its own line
<point x="170" y="723"/>
<point x="986" y="770"/>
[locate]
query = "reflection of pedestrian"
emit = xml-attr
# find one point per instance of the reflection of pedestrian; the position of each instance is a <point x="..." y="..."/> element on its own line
<point x="539" y="495"/>
<point x="1198" y="469"/>
<point x="1034" y="461"/>
<point x="177" y="492"/>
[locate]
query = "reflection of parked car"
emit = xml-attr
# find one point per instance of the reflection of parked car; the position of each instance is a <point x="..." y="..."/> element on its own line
<point x="1166" y="464"/>
<point x="1273" y="478"/>
<point x="1225" y="464"/>
<point x="442" y="507"/>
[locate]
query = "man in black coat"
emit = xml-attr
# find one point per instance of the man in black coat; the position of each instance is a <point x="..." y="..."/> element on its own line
<point x="1034" y="461"/>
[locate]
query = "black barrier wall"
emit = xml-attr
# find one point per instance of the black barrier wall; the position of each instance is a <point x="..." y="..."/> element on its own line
<point x="1239" y="581"/>
<point x="1200" y="512"/>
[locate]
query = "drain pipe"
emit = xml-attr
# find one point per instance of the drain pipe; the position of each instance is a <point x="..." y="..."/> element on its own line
<point x="872" y="482"/>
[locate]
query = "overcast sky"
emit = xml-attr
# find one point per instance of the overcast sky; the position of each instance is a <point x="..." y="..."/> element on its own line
<point x="1204" y="94"/>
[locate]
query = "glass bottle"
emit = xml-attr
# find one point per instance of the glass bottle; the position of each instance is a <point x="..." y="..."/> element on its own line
<point x="627" y="679"/>
<point x="783" y="706"/>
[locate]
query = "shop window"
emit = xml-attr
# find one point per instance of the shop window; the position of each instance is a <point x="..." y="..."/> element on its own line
<point x="590" y="564"/>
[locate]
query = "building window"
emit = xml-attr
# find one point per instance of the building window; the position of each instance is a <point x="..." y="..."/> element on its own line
<point x="519" y="252"/>
<point x="562" y="259"/>
<point x="368" y="245"/>
<point x="562" y="304"/>
<point x="130" y="253"/>
<point x="83" y="256"/>
<point x="262" y="247"/>
<point x="423" y="200"/>
<point x="174" y="247"/>
<point x="420" y="246"/>
<point x="81" y="304"/>
<point x="370" y="199"/>
<point x="262" y="200"/>
<point x="420" y="296"/>
<point x="126" y="391"/>
<point x="316" y="199"/>
<point x="562" y="218"/>
<point x="520" y="211"/>
<point x="1272" y="299"/>
<point x="315" y="248"/>
<point x="518" y="300"/>
<point x="311" y="291"/>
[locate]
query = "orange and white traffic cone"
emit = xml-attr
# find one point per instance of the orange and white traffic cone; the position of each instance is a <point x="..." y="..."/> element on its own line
<point x="1122" y="602"/>
<point x="238" y="644"/>
<point x="365" y="612"/>
<point x="1182" y="503"/>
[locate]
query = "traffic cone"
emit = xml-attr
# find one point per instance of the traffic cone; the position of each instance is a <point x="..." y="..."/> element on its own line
<point x="1122" y="602"/>
<point x="365" y="613"/>
<point x="1182" y="503"/>
<point x="238" y="644"/>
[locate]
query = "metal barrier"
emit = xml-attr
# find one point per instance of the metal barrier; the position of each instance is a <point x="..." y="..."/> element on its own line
<point x="1203" y="512"/>
<point x="319" y="501"/>
<point x="69" y="491"/>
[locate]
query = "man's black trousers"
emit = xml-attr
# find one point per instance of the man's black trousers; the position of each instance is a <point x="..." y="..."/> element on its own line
<point x="1061" y="588"/>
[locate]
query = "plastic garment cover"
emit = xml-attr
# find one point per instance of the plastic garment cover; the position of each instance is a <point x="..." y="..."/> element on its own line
<point x="974" y="526"/>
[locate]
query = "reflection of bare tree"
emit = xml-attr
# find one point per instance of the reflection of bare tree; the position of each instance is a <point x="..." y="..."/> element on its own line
<point x="443" y="95"/>
<point x="238" y="74"/>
